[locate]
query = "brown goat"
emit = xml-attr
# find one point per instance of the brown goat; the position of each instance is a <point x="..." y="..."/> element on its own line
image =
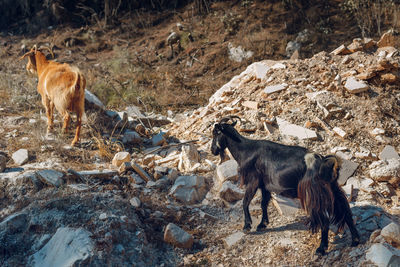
<point x="61" y="86"/>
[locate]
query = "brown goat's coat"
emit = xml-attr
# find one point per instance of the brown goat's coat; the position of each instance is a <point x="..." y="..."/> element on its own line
<point x="61" y="86"/>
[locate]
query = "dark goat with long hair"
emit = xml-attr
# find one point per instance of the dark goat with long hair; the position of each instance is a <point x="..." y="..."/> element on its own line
<point x="291" y="171"/>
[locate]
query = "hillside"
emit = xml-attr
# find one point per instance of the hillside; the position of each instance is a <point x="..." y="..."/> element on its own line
<point x="142" y="187"/>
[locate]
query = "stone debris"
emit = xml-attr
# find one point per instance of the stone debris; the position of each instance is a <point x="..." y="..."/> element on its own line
<point x="230" y="192"/>
<point x="135" y="202"/>
<point x="189" y="189"/>
<point x="178" y="237"/>
<point x="227" y="170"/>
<point x="287" y="128"/>
<point x="51" y="177"/>
<point x="389" y="153"/>
<point x="385" y="170"/>
<point x="382" y="256"/>
<point x="158" y="139"/>
<point x="286" y="206"/>
<point x="67" y="246"/>
<point x="233" y="239"/>
<point x="189" y="157"/>
<point x="391" y="233"/>
<point x="250" y="104"/>
<point x="275" y="88"/>
<point x="121" y="157"/>
<point x="131" y="137"/>
<point x="139" y="170"/>
<point x="347" y="169"/>
<point x="354" y="86"/>
<point x="21" y="156"/>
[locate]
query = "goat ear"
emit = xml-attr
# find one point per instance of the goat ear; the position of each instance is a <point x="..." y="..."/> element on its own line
<point x="234" y="123"/>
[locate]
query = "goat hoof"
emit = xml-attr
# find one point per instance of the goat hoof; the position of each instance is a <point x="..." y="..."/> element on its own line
<point x="320" y="251"/>
<point x="355" y="242"/>
<point x="247" y="228"/>
<point x="261" y="228"/>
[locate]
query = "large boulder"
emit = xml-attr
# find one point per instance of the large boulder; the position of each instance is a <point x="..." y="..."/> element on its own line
<point x="189" y="189"/>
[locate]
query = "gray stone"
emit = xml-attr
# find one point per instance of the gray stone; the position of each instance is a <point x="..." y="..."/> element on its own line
<point x="354" y="86"/>
<point x="275" y="88"/>
<point x="131" y="137"/>
<point x="189" y="189"/>
<point x="177" y="236"/>
<point x="20" y="157"/>
<point x="230" y="192"/>
<point x="233" y="239"/>
<point x="134" y="178"/>
<point x="92" y="99"/>
<point x="382" y="256"/>
<point x="384" y="170"/>
<point x="3" y="162"/>
<point x="79" y="187"/>
<point x="158" y="139"/>
<point x="227" y="170"/>
<point x="291" y="47"/>
<point x="135" y="202"/>
<point x="389" y="153"/>
<point x="391" y="233"/>
<point x="289" y="129"/>
<point x="51" y="177"/>
<point x="346" y="170"/>
<point x="67" y="246"/>
<point x="16" y="222"/>
<point x="286" y="206"/>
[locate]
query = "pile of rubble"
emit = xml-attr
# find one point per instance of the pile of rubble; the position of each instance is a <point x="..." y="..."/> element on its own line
<point x="165" y="200"/>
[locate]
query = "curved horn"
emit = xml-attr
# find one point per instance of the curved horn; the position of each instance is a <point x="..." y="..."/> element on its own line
<point x="47" y="48"/>
<point x="226" y="119"/>
<point x="32" y="51"/>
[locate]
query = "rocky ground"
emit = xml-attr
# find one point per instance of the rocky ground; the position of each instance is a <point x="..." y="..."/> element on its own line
<point x="143" y="189"/>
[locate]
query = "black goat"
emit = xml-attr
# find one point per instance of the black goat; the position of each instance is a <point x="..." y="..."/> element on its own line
<point x="291" y="171"/>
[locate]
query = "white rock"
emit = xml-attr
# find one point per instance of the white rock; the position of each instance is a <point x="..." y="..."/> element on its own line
<point x="189" y="189"/>
<point x="380" y="255"/>
<point x="391" y="233"/>
<point x="21" y="156"/>
<point x="233" y="239"/>
<point x="227" y="170"/>
<point x="354" y="86"/>
<point x="103" y="216"/>
<point x="120" y="158"/>
<point x="287" y="128"/>
<point x="384" y="170"/>
<point x="91" y="98"/>
<point x="260" y="70"/>
<point x="231" y="192"/>
<point x="188" y="158"/>
<point x="67" y="246"/>
<point x="135" y="202"/>
<point x="275" y="88"/>
<point x="389" y="152"/>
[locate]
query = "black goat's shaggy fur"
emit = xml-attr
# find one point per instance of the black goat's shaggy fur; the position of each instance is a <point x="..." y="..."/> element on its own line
<point x="291" y="171"/>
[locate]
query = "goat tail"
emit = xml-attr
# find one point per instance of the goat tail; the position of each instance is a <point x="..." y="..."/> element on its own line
<point x="78" y="88"/>
<point x="316" y="195"/>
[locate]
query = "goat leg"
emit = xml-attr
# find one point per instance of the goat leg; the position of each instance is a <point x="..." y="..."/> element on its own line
<point x="251" y="189"/>
<point x="266" y="196"/>
<point x="324" y="239"/>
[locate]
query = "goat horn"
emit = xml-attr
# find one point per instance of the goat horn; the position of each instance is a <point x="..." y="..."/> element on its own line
<point x="226" y="119"/>
<point x="50" y="50"/>
<point x="34" y="47"/>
